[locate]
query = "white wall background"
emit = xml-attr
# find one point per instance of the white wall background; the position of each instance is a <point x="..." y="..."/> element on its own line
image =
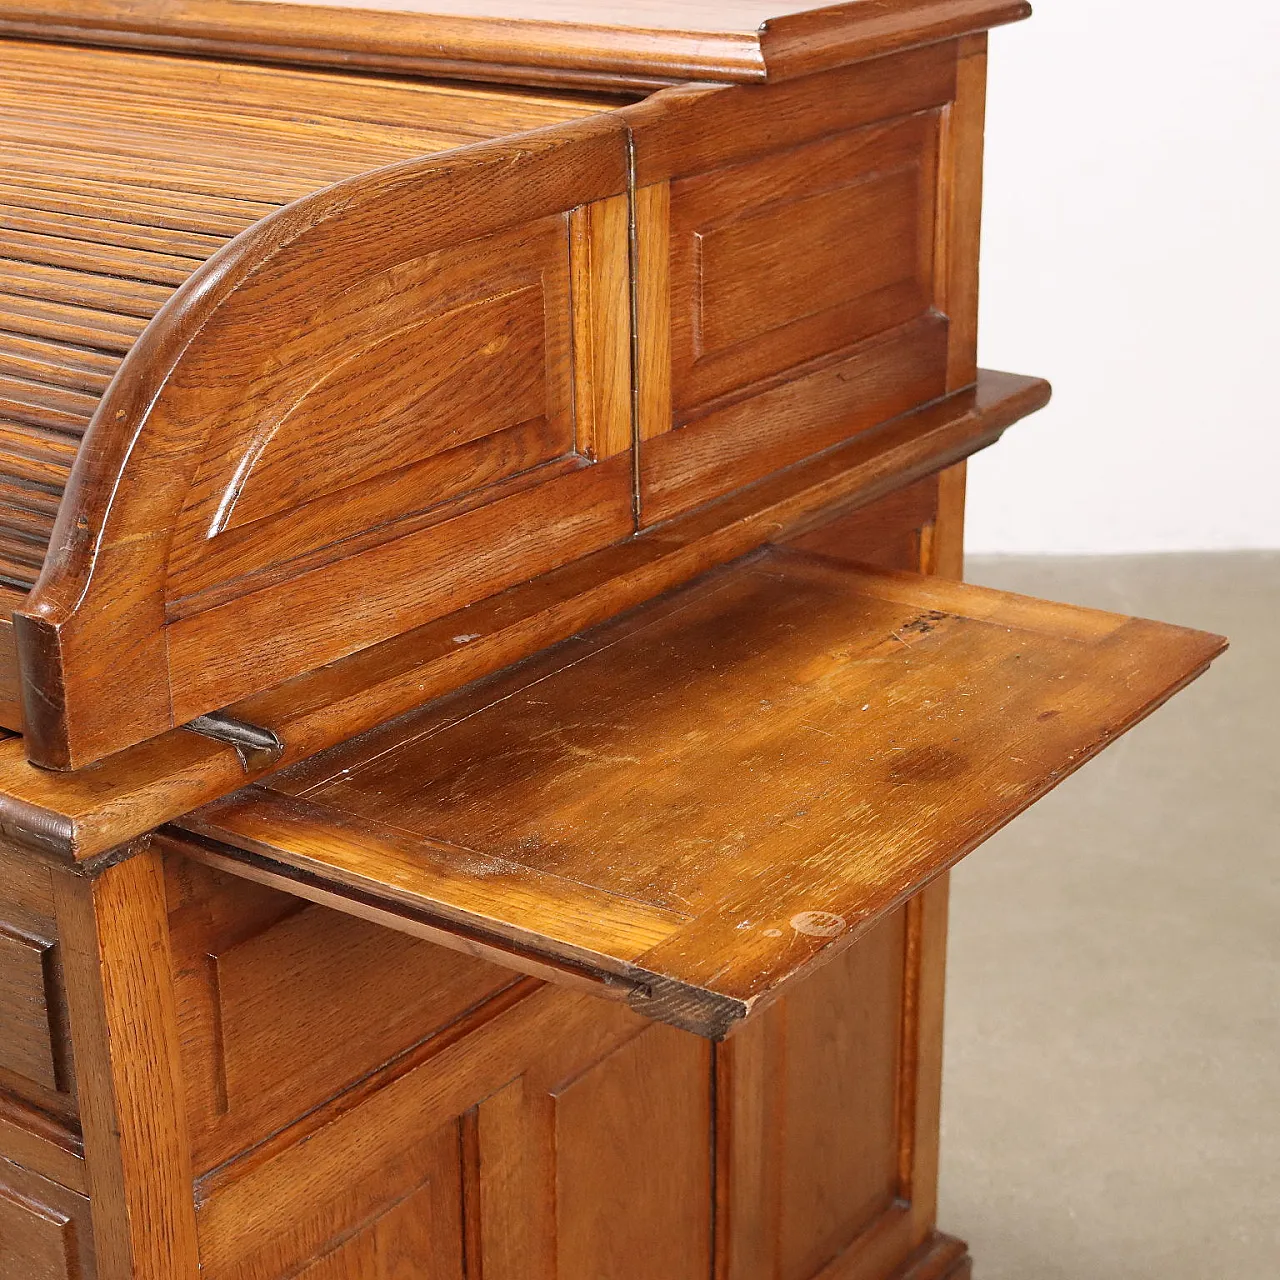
<point x="1132" y="255"/>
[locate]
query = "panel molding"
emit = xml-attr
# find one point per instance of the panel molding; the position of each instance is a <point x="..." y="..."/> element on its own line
<point x="27" y="1007"/>
<point x="44" y="1228"/>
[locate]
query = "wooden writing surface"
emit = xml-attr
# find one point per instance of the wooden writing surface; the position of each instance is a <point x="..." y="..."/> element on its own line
<point x="696" y="803"/>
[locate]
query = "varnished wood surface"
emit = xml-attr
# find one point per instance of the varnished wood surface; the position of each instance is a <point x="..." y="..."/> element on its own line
<point x="36" y="1063"/>
<point x="700" y="800"/>
<point x="789" y="281"/>
<point x="261" y="979"/>
<point x="44" y="1228"/>
<point x="122" y="174"/>
<point x="154" y="582"/>
<point x="575" y="42"/>
<point x="213" y="544"/>
<point x="124" y="1024"/>
<point x="84" y="814"/>
<point x="503" y="1118"/>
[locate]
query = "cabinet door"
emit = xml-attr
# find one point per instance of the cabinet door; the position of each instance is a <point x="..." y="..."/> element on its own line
<point x="593" y="1167"/>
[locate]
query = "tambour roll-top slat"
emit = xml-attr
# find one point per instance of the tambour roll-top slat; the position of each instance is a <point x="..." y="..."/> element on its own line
<point x="121" y="174"/>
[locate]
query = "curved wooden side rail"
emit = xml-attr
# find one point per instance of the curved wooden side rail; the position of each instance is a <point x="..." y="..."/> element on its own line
<point x="386" y="401"/>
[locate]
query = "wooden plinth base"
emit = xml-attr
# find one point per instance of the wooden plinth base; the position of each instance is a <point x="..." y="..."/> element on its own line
<point x="941" y="1257"/>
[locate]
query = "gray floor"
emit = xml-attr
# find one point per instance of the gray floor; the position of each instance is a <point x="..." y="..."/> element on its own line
<point x="1112" y="1083"/>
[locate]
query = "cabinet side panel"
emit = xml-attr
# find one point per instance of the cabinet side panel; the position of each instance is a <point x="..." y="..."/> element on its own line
<point x="839" y="1154"/>
<point x="633" y="1175"/>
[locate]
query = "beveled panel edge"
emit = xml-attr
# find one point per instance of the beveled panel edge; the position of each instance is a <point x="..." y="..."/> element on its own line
<point x="44" y="1145"/>
<point x="87" y="818"/>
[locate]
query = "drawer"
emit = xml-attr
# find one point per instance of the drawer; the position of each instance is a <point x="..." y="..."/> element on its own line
<point x="44" y="1228"/>
<point x="35" y="1057"/>
<point x="689" y="807"/>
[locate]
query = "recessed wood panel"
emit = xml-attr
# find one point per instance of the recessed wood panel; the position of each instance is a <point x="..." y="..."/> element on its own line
<point x="35" y="1056"/>
<point x="396" y="1216"/>
<point x="446" y="1115"/>
<point x="27" y="1044"/>
<point x="409" y="364"/>
<point x="748" y="287"/>
<point x="838" y="1157"/>
<point x="418" y="1238"/>
<point x="798" y="254"/>
<point x="746" y="440"/>
<point x="816" y="1120"/>
<point x="633" y="1163"/>
<point x="313" y="452"/>
<point x="44" y="1229"/>
<point x="281" y="1005"/>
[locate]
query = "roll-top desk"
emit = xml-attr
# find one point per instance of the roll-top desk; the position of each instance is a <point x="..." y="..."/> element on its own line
<point x="489" y="701"/>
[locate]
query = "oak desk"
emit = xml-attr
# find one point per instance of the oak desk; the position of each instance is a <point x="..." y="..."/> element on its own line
<point x="488" y="699"/>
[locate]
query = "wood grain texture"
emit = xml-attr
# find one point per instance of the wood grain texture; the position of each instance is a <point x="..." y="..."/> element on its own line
<point x="960" y="204"/>
<point x="25" y="1013"/>
<point x="572" y="42"/>
<point x="122" y="175"/>
<point x="944" y="555"/>
<point x="741" y="443"/>
<point x="82" y="815"/>
<point x="809" y="1128"/>
<point x="401" y="247"/>
<point x="893" y="533"/>
<point x="786" y="269"/>
<point x="276" y="1210"/>
<point x="120" y="990"/>
<point x="900" y="717"/>
<point x="692" y="129"/>
<point x="42" y="1144"/>
<point x="11" y="598"/>
<point x="36" y="1067"/>
<point x="782" y="259"/>
<point x="262" y="979"/>
<point x="633" y="1163"/>
<point x="44" y="1228"/>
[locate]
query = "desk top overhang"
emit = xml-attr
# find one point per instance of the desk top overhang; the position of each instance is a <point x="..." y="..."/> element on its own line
<point x="612" y="45"/>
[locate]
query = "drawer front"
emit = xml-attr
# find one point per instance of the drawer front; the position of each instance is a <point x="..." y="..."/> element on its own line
<point x="35" y="1057"/>
<point x="27" y="1045"/>
<point x="44" y="1229"/>
<point x="282" y="1005"/>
